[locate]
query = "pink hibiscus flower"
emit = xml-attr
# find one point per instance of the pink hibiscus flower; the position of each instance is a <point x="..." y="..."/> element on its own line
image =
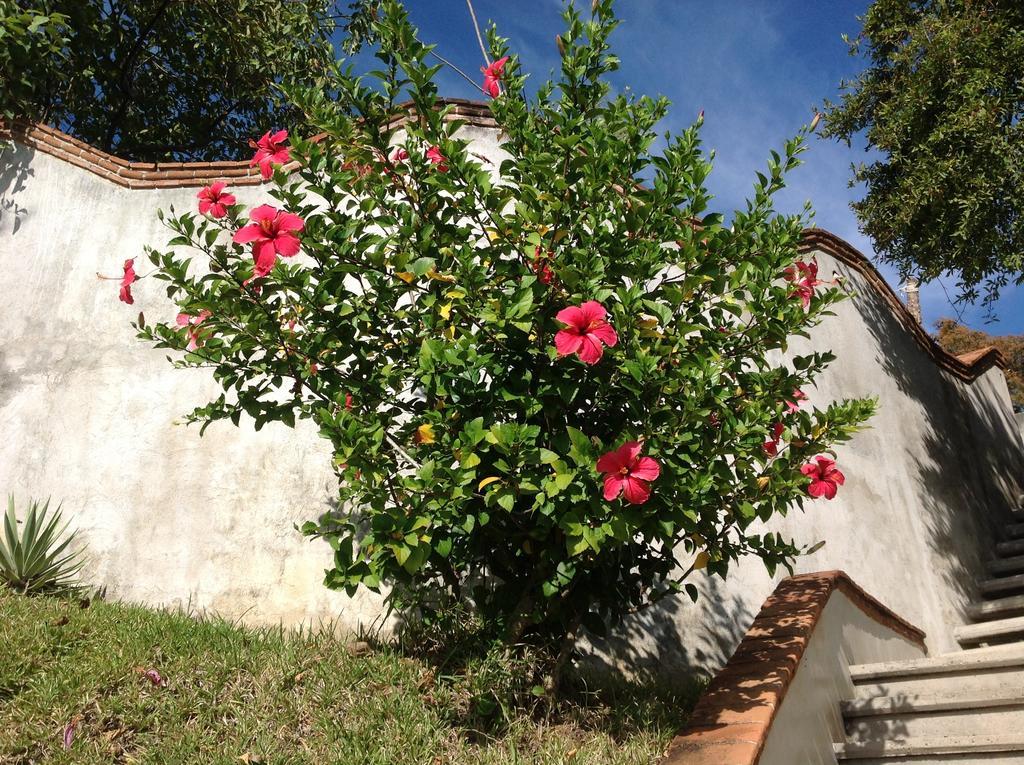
<point x="195" y="338"/>
<point x="771" y="446"/>
<point x="127" y="281"/>
<point x="272" y="232"/>
<point x="155" y="677"/>
<point x="626" y="472"/>
<point x="270" y="151"/>
<point x="492" y="76"/>
<point x="213" y="201"/>
<point x="793" y="406"/>
<point x="399" y="155"/>
<point x="586" y="332"/>
<point x="805" y="278"/>
<point x="437" y="158"/>
<point x="825" y="478"/>
<point x="69" y="732"/>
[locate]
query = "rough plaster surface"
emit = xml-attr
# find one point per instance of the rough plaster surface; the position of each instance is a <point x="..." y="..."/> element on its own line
<point x="88" y="417"/>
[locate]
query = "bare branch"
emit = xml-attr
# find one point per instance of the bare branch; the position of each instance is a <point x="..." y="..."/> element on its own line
<point x="479" y="37"/>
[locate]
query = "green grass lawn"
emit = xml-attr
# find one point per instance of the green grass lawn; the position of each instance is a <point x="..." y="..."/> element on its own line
<point x="236" y="695"/>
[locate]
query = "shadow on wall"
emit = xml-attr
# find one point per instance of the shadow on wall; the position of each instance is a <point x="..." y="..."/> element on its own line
<point x="647" y="649"/>
<point x="966" y="465"/>
<point x="14" y="171"/>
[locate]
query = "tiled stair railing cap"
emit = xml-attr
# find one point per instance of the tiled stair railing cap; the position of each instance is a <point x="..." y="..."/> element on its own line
<point x="731" y="721"/>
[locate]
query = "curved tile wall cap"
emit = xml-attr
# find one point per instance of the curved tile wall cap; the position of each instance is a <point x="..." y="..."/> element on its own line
<point x="967" y="367"/>
<point x="730" y="724"/>
<point x="162" y="175"/>
<point x="973" y="357"/>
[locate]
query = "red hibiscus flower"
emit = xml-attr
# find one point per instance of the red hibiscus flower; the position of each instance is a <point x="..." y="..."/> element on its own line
<point x="270" y="151"/>
<point x="437" y="158"/>
<point x="771" y="446"/>
<point x="195" y="338"/>
<point x="492" y="76"/>
<point x="273" y="232"/>
<point x="399" y="155"/>
<point x="793" y="406"/>
<point x="586" y="332"/>
<point x="626" y="472"/>
<point x="542" y="267"/>
<point x="348" y="400"/>
<point x="825" y="478"/>
<point x="127" y="281"/>
<point x="213" y="201"/>
<point x="805" y="278"/>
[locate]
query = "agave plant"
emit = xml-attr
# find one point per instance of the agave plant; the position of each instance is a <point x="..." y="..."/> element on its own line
<point x="40" y="560"/>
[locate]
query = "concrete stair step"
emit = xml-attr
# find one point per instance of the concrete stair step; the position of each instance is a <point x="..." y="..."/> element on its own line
<point x="996" y="671"/>
<point x="942" y="749"/>
<point x="1001" y="566"/>
<point x="993" y="609"/>
<point x="943" y="663"/>
<point x="1001" y="584"/>
<point x="872" y="706"/>
<point x="1013" y="530"/>
<point x="990" y="632"/>
<point x="1011" y="548"/>
<point x="923" y="717"/>
<point x="976" y="758"/>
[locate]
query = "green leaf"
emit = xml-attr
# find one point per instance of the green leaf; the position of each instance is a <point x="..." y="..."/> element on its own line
<point x="421" y="266"/>
<point x="582" y="450"/>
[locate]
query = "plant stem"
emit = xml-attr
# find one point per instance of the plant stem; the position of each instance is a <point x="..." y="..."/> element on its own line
<point x="562" y="659"/>
<point x="465" y="76"/>
<point x="479" y="37"/>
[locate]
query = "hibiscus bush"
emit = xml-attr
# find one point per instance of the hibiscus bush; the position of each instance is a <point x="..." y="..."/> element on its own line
<point x="552" y="380"/>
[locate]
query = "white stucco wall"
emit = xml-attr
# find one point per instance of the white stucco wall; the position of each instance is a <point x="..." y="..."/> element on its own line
<point x="926" y="486"/>
<point x="88" y="415"/>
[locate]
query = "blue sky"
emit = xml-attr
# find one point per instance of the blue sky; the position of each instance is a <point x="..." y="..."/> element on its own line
<point x="756" y="68"/>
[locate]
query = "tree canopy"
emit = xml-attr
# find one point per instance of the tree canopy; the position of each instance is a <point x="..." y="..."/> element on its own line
<point x="940" y="104"/>
<point x="164" y="79"/>
<point x="957" y="339"/>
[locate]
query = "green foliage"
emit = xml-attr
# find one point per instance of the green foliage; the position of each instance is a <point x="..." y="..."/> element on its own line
<point x="156" y="80"/>
<point x="942" y="102"/>
<point x="41" y="559"/>
<point x="236" y="695"/>
<point x="26" y="37"/>
<point x="415" y="333"/>
<point x="957" y="339"/>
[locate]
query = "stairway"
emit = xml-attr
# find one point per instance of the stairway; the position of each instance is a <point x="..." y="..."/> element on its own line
<point x="965" y="707"/>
